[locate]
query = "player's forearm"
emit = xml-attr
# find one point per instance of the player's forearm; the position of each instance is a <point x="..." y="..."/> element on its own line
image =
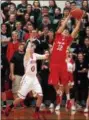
<point x="11" y="68"/>
<point x="61" y="28"/>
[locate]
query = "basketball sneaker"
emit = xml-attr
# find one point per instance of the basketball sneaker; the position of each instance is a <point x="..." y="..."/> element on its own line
<point x="85" y="110"/>
<point x="68" y="104"/>
<point x="57" y="107"/>
<point x="7" y="110"/>
<point x="51" y="106"/>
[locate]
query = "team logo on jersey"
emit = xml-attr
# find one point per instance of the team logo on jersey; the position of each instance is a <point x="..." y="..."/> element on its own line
<point x="33" y="68"/>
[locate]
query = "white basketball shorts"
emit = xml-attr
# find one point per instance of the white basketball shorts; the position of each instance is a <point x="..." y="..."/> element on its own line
<point x="29" y="83"/>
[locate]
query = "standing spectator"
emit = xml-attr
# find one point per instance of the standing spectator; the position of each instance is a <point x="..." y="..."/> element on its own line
<point x="20" y="31"/>
<point x="81" y="68"/>
<point x="27" y="35"/>
<point x="5" y="38"/>
<point x="17" y="69"/>
<point x="11" y="23"/>
<point x="52" y="6"/>
<point x="12" y="46"/>
<point x="86" y="49"/>
<point x="44" y="39"/>
<point x="4" y="71"/>
<point x="21" y="9"/>
<point x="51" y="36"/>
<point x="73" y="5"/>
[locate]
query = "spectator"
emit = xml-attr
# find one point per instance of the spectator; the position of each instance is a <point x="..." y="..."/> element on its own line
<point x="12" y="9"/>
<point x="85" y="5"/>
<point x="5" y="6"/>
<point x="11" y="23"/>
<point x="17" y="69"/>
<point x="86" y="49"/>
<point x="5" y="38"/>
<point x="57" y="18"/>
<point x="44" y="39"/>
<point x="36" y="10"/>
<point x="12" y="46"/>
<point x="26" y="18"/>
<point x="52" y="7"/>
<point x="21" y="9"/>
<point x="45" y="22"/>
<point x="4" y="71"/>
<point x="20" y="31"/>
<point x="73" y="5"/>
<point x="81" y="78"/>
<point x="51" y="37"/>
<point x="44" y="73"/>
<point x="27" y="35"/>
<point x="67" y="4"/>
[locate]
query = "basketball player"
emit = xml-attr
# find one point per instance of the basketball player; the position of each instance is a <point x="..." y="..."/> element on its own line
<point x="29" y="81"/>
<point x="58" y="67"/>
<point x="71" y="68"/>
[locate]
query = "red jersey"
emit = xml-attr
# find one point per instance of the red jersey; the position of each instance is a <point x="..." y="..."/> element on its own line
<point x="11" y="49"/>
<point x="59" y="49"/>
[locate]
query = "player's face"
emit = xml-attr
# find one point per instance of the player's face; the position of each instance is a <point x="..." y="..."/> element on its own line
<point x="65" y="32"/>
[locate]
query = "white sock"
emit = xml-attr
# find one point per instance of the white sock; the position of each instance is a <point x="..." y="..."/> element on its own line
<point x="68" y="96"/>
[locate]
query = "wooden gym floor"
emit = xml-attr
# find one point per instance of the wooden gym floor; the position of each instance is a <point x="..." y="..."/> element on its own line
<point x="27" y="114"/>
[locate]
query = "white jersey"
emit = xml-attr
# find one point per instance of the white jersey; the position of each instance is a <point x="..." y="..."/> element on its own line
<point x="31" y="66"/>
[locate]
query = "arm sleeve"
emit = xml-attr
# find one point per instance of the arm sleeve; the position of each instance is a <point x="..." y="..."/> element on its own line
<point x="40" y="57"/>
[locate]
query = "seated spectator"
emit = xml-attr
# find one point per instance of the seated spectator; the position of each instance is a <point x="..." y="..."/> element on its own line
<point x="21" y="9"/>
<point x="45" y="22"/>
<point x="12" y="9"/>
<point x="11" y="23"/>
<point x="5" y="38"/>
<point x="17" y="69"/>
<point x="20" y="31"/>
<point x="85" y="5"/>
<point x="44" y="12"/>
<point x="52" y="7"/>
<point x="26" y="18"/>
<point x="73" y="5"/>
<point x="5" y="6"/>
<point x="12" y="46"/>
<point x="57" y="18"/>
<point x="81" y="78"/>
<point x="36" y="11"/>
<point x="67" y="4"/>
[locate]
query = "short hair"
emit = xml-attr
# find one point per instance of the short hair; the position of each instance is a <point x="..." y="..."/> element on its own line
<point x="45" y="7"/>
<point x="66" y="9"/>
<point x="73" y="2"/>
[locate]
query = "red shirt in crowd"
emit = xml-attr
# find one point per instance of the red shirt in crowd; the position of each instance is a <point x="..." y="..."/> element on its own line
<point x="26" y="36"/>
<point x="61" y="43"/>
<point x="11" y="49"/>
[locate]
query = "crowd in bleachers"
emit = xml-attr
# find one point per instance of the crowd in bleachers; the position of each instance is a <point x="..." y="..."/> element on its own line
<point x="26" y="22"/>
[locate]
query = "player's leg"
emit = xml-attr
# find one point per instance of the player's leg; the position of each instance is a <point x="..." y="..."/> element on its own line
<point x="22" y="92"/>
<point x="59" y="93"/>
<point x="87" y="105"/>
<point x="37" y="88"/>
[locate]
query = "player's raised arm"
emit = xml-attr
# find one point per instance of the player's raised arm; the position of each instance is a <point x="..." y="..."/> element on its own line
<point x="42" y="57"/>
<point x="76" y="29"/>
<point x="62" y="27"/>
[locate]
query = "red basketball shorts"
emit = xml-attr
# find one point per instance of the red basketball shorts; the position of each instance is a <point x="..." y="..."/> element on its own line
<point x="58" y="74"/>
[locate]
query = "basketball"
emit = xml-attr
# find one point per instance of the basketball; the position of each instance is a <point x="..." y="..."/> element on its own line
<point x="77" y="13"/>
